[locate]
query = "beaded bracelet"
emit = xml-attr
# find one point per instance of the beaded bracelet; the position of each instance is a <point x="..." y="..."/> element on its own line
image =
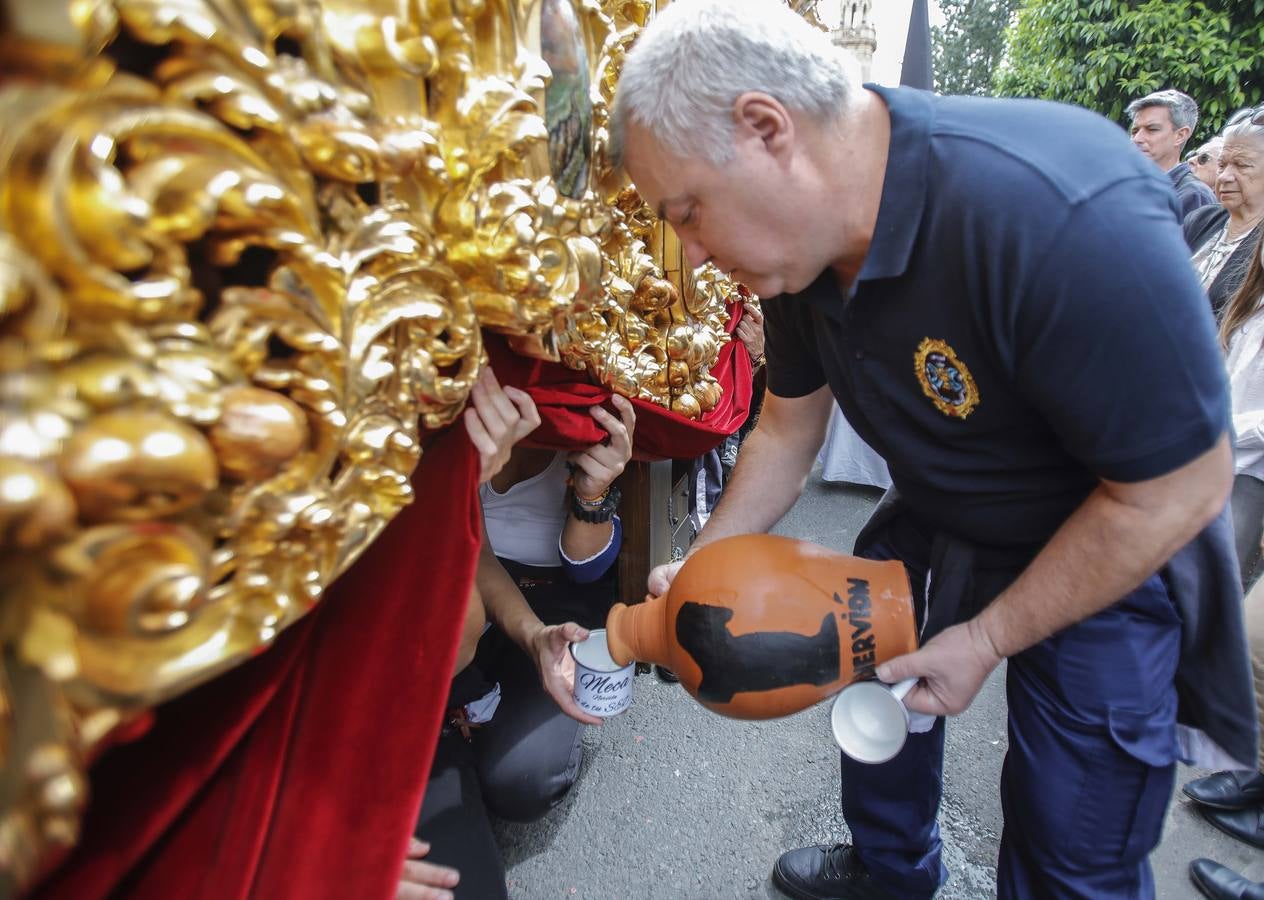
<point x="602" y="511"/>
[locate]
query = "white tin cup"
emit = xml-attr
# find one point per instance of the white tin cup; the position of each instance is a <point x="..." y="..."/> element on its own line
<point x="602" y="686"/>
<point x="869" y="720"/>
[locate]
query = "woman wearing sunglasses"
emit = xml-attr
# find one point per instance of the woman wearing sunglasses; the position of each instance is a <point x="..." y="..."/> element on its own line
<point x="1204" y="160"/>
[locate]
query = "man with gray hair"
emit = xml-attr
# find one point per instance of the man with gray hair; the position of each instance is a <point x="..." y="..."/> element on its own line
<point x="1161" y="124"/>
<point x="975" y="282"/>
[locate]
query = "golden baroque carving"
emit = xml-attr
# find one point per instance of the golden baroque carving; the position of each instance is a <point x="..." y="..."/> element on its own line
<point x="246" y="251"/>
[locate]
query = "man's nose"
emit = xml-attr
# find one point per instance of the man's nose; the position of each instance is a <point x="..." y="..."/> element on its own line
<point x="695" y="253"/>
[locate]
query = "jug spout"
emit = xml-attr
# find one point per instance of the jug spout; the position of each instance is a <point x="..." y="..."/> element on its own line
<point x="639" y="632"/>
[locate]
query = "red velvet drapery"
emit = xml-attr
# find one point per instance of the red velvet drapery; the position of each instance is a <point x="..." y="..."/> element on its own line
<point x="300" y="773"/>
<point x="563" y="403"/>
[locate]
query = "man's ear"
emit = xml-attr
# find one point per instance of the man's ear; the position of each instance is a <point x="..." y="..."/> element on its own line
<point x="1182" y="135"/>
<point x="758" y="115"/>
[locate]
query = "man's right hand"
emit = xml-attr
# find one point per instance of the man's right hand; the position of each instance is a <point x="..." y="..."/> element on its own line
<point x="662" y="576"/>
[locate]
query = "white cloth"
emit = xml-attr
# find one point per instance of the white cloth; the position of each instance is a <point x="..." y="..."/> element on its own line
<point x="480" y="711"/>
<point x="523" y="523"/>
<point x="1245" y="365"/>
<point x="846" y="457"/>
<point x="1212" y="255"/>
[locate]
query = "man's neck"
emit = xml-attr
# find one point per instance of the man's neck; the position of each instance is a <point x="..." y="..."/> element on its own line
<point x="1169" y="163"/>
<point x="859" y="150"/>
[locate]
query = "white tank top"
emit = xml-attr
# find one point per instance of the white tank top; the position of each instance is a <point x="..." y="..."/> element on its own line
<point x="525" y="522"/>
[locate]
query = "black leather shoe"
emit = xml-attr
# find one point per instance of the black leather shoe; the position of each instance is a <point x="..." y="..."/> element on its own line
<point x="826" y="873"/>
<point x="1227" y="790"/>
<point x="1244" y="824"/>
<point x="1222" y="883"/>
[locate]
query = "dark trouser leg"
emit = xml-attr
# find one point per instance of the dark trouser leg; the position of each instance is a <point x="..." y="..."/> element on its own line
<point x="530" y="753"/>
<point x="1247" y="506"/>
<point x="454" y="821"/>
<point x="1090" y="766"/>
<point x="892" y="808"/>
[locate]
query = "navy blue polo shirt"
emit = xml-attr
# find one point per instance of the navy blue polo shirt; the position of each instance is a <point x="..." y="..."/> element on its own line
<point x="1026" y="320"/>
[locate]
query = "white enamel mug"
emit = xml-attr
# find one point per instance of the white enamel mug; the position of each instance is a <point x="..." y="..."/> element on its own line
<point x="602" y="687"/>
<point x="870" y="721"/>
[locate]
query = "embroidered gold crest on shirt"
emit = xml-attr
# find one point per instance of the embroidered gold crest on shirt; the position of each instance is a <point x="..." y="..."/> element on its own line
<point x="945" y="378"/>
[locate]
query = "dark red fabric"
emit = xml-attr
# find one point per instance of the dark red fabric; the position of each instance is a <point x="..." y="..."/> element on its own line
<point x="300" y="773"/>
<point x="564" y="396"/>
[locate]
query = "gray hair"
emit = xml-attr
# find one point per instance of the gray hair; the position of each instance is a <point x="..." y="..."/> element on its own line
<point x="696" y="57"/>
<point x="1245" y="123"/>
<point x="1181" y="107"/>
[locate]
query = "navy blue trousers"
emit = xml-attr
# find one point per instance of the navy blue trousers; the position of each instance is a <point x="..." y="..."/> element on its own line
<point x="1088" y="775"/>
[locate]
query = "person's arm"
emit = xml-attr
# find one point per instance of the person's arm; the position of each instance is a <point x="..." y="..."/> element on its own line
<point x="546" y="645"/>
<point x="472" y="630"/>
<point x="595" y="471"/>
<point x="771" y="470"/>
<point x="1119" y="536"/>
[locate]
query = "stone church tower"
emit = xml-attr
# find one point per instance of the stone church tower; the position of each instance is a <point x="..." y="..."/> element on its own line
<point x="855" y="32"/>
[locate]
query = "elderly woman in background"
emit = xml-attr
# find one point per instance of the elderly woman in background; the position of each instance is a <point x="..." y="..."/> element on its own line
<point x="1204" y="161"/>
<point x="1221" y="238"/>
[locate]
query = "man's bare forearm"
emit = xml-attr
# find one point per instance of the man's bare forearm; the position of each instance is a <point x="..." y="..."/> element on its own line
<point x="1117" y="538"/>
<point x="772" y="467"/>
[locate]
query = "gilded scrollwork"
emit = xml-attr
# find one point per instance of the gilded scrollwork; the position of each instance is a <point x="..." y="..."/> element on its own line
<point x="247" y="251"/>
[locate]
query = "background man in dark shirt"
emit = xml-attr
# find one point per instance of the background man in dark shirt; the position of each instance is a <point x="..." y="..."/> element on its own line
<point x="1161" y="124"/>
<point x="997" y="296"/>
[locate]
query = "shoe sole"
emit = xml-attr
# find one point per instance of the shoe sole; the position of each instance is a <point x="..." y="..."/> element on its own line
<point x="783" y="884"/>
<point x="1237" y="837"/>
<point x="1225" y="807"/>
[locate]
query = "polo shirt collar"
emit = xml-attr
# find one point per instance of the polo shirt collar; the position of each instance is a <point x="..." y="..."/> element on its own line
<point x="904" y="184"/>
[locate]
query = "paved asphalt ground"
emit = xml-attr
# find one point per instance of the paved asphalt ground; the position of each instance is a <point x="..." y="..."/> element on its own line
<point x="677" y="803"/>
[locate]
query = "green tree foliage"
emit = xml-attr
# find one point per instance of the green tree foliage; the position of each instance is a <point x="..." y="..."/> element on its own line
<point x="1104" y="53"/>
<point x="970" y="45"/>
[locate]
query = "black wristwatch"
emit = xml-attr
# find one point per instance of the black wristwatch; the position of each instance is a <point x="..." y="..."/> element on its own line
<point x="595" y="513"/>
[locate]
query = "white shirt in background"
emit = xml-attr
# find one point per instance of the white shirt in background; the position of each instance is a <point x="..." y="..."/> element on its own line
<point x="1245" y="364"/>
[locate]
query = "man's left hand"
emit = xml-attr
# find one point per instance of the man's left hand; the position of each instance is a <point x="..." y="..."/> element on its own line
<point x="951" y="667"/>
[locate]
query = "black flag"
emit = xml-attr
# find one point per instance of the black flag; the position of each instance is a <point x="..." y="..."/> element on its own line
<point x="918" y="71"/>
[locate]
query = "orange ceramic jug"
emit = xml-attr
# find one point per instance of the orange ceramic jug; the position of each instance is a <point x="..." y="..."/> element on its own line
<point x="758" y="626"/>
